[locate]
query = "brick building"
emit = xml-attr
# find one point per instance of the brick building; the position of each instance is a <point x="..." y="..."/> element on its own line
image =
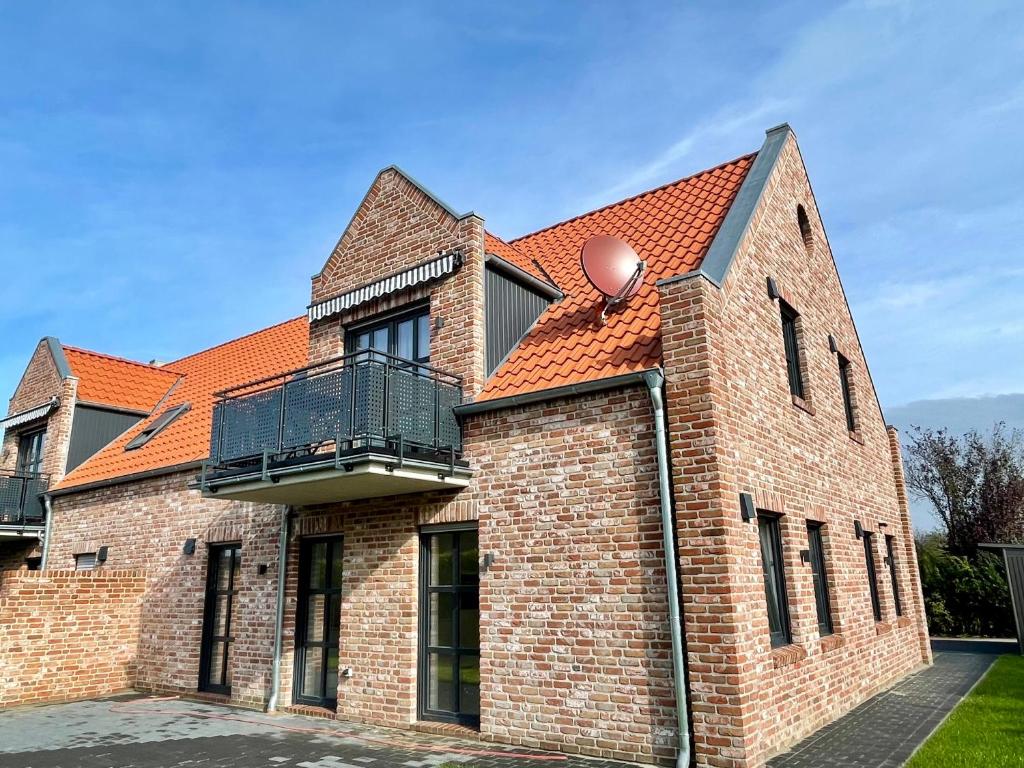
<point x="453" y="496"/>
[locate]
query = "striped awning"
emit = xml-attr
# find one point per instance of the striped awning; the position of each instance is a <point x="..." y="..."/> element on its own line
<point x="25" y="417"/>
<point x="426" y="272"/>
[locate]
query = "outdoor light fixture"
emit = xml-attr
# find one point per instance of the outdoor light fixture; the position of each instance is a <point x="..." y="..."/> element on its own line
<point x="773" y="289"/>
<point x="189" y="548"/>
<point x="805" y="556"/>
<point x="858" y="529"/>
<point x="883" y="525"/>
<point x="101" y="555"/>
<point x="747" y="511"/>
<point x="832" y="344"/>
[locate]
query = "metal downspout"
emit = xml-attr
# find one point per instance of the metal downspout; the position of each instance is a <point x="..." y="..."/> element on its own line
<point x="655" y="382"/>
<point x="46" y="531"/>
<point x="282" y="562"/>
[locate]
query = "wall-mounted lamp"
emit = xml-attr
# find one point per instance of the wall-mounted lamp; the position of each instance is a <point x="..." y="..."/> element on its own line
<point x="747" y="509"/>
<point x="805" y="556"/>
<point x="773" y="289"/>
<point x="189" y="548"/>
<point x="832" y="347"/>
<point x="488" y="561"/>
<point x="262" y="569"/>
<point x="883" y="525"/>
<point x="101" y="554"/>
<point x="858" y="529"/>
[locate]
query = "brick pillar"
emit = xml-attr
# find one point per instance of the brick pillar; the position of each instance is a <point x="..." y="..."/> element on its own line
<point x="910" y="553"/>
<point x="710" y="534"/>
<point x="58" y="432"/>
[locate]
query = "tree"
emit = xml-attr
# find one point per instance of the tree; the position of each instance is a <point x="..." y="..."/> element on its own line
<point x="974" y="484"/>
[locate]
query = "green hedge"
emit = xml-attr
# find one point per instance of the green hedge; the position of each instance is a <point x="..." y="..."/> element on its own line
<point x="964" y="597"/>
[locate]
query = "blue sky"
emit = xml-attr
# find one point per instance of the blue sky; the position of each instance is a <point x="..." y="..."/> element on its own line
<point x="172" y="174"/>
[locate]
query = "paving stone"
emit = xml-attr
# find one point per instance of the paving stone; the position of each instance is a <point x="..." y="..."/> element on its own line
<point x="884" y="731"/>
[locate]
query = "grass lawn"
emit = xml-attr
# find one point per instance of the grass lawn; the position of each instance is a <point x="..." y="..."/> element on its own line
<point x="987" y="728"/>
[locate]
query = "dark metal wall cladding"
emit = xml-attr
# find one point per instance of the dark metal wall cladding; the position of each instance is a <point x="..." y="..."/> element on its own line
<point x="511" y="309"/>
<point x="92" y="428"/>
<point x="1015" y="574"/>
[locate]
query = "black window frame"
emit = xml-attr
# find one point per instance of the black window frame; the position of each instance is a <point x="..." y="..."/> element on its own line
<point x="424" y="711"/>
<point x="819" y="577"/>
<point x="31" y="450"/>
<point x="846" y="387"/>
<point x="158" y="425"/>
<point x="774" y="574"/>
<point x="209" y="636"/>
<point x="869" y="561"/>
<point x="330" y="632"/>
<point x="391" y="321"/>
<point x="890" y="554"/>
<point x="791" y="344"/>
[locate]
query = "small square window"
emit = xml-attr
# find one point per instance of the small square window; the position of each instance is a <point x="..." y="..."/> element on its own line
<point x="85" y="561"/>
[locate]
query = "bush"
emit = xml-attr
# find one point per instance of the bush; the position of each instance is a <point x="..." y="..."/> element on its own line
<point x="962" y="596"/>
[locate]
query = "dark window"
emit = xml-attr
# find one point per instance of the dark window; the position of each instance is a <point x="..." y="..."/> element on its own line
<point x="789" y="338"/>
<point x="156" y="426"/>
<point x="774" y="579"/>
<point x="869" y="559"/>
<point x="805" y="227"/>
<point x="406" y="335"/>
<point x="890" y="552"/>
<point x="844" y="385"/>
<point x="319" y="623"/>
<point x="820" y="577"/>
<point x="450" y="630"/>
<point x="222" y="584"/>
<point x="30" y="452"/>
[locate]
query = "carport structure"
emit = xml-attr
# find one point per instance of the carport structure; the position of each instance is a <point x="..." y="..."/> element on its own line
<point x="1013" y="559"/>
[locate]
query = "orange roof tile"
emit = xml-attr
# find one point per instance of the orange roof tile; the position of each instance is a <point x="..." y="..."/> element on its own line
<point x="116" y="382"/>
<point x="273" y="350"/>
<point x="671" y="228"/>
<point x="501" y="249"/>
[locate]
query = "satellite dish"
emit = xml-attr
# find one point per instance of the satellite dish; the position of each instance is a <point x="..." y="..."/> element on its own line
<point x="612" y="267"/>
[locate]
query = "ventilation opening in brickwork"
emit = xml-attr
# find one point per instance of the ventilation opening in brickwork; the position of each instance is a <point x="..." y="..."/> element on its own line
<point x="805" y="227"/>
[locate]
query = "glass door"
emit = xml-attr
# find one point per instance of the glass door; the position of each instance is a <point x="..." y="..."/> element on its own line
<point x="30" y="452"/>
<point x="450" y="631"/>
<point x="221" y="588"/>
<point x="319" y="623"/>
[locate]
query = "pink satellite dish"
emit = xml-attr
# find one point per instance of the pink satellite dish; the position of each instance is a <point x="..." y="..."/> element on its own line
<point x="612" y="267"/>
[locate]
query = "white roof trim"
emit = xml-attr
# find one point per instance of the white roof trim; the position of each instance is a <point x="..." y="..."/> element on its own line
<point x="30" y="415"/>
<point x="421" y="273"/>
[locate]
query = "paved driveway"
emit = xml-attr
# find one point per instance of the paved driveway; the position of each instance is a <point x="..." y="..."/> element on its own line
<point x="143" y="732"/>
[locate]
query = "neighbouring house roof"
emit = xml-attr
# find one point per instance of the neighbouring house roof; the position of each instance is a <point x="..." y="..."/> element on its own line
<point x="275" y="349"/>
<point x="670" y="227"/>
<point x="118" y="383"/>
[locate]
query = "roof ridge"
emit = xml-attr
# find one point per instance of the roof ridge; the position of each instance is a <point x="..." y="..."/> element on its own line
<point x="631" y="198"/>
<point x="119" y="359"/>
<point x="237" y="339"/>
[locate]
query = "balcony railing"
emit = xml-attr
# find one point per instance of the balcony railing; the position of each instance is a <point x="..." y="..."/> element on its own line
<point x="362" y="402"/>
<point x="21" y="500"/>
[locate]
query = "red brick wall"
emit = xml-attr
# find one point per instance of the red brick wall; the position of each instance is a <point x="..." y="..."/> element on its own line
<point x="145" y="525"/>
<point x="67" y="635"/>
<point x="735" y="428"/>
<point x="396" y="227"/>
<point x="39" y="384"/>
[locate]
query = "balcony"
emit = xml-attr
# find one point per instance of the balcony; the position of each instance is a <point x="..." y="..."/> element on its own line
<point x="21" y="503"/>
<point x="364" y="425"/>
